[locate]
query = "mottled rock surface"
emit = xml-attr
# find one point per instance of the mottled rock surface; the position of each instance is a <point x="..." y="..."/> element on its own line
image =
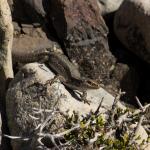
<point x="132" y="28"/>
<point x="125" y="77"/>
<point x="83" y="32"/>
<point x="28" y="91"/>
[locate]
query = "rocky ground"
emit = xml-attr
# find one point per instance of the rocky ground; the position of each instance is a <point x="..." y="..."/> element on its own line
<point x="106" y="41"/>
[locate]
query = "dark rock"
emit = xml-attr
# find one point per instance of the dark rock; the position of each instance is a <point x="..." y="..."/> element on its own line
<point x="29" y="11"/>
<point x="39" y="6"/>
<point x="83" y="32"/>
<point x="144" y="89"/>
<point x="0" y="129"/>
<point x="125" y="77"/>
<point x="131" y="25"/>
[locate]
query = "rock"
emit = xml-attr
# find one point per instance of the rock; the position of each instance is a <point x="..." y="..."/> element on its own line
<point x="0" y="130"/>
<point x="28" y="91"/>
<point x="17" y="29"/>
<point x="126" y="78"/>
<point x="140" y="133"/>
<point x="131" y="25"/>
<point x="32" y="12"/>
<point x="144" y="90"/>
<point x="147" y="113"/>
<point x="83" y="32"/>
<point x="109" y="6"/>
<point x="34" y="41"/>
<point x="38" y="6"/>
<point x="10" y="3"/>
<point x="29" y="11"/>
<point x="146" y="147"/>
<point x="36" y="10"/>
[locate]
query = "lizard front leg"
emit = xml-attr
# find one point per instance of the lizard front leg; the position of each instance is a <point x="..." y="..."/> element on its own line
<point x="84" y="97"/>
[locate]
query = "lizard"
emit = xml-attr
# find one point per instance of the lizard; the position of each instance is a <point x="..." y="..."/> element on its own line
<point x="51" y="53"/>
<point x="58" y="62"/>
<point x="65" y="71"/>
<point x="69" y="74"/>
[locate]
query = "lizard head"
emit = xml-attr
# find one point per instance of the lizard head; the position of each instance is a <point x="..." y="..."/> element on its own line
<point x="92" y="84"/>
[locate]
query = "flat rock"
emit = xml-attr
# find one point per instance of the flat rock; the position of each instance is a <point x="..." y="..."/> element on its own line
<point x="82" y="30"/>
<point x="29" y="90"/>
<point x="131" y="25"/>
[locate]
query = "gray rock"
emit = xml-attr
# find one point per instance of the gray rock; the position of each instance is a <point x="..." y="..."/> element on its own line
<point x="140" y="133"/>
<point x="84" y="35"/>
<point x="109" y="6"/>
<point x="28" y="90"/>
<point x="131" y="25"/>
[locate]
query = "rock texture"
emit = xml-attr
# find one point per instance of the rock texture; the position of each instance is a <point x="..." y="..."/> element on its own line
<point x="83" y="32"/>
<point x="109" y="6"/>
<point x="132" y="28"/>
<point x="88" y="47"/>
<point x="32" y="45"/>
<point x="125" y="77"/>
<point x="28" y="91"/>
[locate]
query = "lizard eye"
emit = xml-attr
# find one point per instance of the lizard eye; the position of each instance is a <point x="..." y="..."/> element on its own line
<point x="91" y="82"/>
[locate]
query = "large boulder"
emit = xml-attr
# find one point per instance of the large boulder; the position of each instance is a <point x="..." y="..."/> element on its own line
<point x="30" y="91"/>
<point x="131" y="25"/>
<point x="83" y="33"/>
